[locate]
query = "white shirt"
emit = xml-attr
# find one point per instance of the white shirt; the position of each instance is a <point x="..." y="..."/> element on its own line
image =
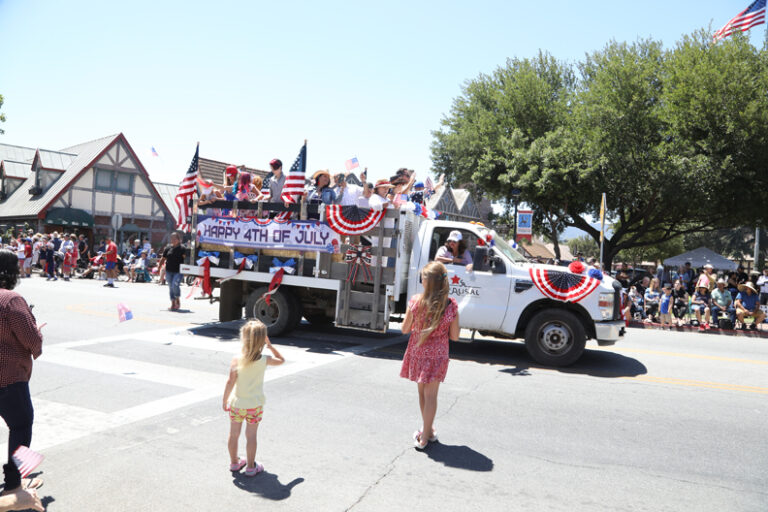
<point x="377" y="202"/>
<point x="362" y="202"/>
<point x="762" y="282"/>
<point x="350" y="195"/>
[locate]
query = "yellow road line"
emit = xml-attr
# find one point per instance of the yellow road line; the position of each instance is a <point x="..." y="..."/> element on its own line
<point x="80" y="308"/>
<point x="700" y="384"/>
<point x="685" y="355"/>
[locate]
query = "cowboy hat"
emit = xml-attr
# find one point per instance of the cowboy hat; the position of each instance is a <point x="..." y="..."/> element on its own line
<point x="748" y="284"/>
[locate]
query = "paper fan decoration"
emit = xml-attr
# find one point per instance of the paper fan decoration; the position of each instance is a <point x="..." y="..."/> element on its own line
<point x="351" y="220"/>
<point x="563" y="286"/>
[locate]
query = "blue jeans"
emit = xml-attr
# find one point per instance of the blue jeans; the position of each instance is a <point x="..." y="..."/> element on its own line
<point x="174" y="280"/>
<point x="16" y="409"/>
<point x="730" y="311"/>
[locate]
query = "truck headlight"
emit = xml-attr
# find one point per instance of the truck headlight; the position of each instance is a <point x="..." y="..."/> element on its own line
<point x="605" y="303"/>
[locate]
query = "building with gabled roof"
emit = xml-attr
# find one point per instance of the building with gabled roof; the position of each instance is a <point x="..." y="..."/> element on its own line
<point x="80" y="189"/>
<point x="213" y="170"/>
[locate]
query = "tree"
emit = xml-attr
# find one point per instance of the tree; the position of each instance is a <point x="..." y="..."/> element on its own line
<point x="2" y="116"/>
<point x="584" y="245"/>
<point x="666" y="134"/>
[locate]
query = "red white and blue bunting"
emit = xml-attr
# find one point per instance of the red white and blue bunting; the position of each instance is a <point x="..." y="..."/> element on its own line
<point x="351" y="220"/>
<point x="357" y="257"/>
<point x="562" y="286"/>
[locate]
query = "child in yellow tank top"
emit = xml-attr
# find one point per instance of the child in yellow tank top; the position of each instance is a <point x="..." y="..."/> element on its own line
<point x="244" y="394"/>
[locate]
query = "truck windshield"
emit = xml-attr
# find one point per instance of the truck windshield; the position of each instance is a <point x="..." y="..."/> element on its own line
<point x="505" y="249"/>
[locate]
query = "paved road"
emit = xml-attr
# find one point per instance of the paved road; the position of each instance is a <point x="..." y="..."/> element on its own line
<point x="128" y="416"/>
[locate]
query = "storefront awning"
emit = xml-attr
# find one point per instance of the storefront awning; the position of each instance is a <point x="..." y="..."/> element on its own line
<point x="130" y="228"/>
<point x="69" y="217"/>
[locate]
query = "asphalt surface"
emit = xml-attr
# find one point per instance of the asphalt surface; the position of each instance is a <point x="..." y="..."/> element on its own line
<point x="129" y="417"/>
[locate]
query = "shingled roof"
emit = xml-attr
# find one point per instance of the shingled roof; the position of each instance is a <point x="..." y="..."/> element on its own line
<point x="213" y="170"/>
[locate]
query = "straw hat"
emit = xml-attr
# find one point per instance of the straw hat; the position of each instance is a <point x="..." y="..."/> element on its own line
<point x="382" y="183"/>
<point x="748" y="284"/>
<point x="319" y="173"/>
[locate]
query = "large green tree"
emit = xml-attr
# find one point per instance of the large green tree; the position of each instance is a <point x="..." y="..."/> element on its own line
<point x="673" y="137"/>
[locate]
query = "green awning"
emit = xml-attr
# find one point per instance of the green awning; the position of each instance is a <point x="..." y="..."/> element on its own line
<point x="130" y="228"/>
<point x="69" y="217"/>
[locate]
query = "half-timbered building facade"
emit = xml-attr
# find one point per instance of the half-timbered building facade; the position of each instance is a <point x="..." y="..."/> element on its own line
<point x="79" y="189"/>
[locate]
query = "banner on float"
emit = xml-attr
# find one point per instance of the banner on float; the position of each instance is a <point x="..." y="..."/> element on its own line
<point x="524" y="224"/>
<point x="298" y="235"/>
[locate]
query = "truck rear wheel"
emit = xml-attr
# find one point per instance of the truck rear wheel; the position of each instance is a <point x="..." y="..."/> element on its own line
<point x="555" y="337"/>
<point x="279" y="316"/>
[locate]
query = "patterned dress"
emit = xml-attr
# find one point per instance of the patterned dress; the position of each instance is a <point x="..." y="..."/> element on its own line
<point x="429" y="361"/>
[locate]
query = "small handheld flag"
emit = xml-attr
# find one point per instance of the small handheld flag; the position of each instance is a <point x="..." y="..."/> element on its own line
<point x="154" y="151"/>
<point x="124" y="313"/>
<point x="26" y="460"/>
<point x="351" y="163"/>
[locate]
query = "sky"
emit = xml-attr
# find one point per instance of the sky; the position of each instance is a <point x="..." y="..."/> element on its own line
<point x="252" y="80"/>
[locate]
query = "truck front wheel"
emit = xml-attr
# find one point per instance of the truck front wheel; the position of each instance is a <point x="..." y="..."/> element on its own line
<point x="555" y="337"/>
<point x="279" y="316"/>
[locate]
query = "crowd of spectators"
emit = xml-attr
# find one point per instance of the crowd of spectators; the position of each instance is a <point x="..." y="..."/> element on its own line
<point x="705" y="299"/>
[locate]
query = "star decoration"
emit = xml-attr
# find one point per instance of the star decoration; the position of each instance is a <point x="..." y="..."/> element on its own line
<point x="455" y="280"/>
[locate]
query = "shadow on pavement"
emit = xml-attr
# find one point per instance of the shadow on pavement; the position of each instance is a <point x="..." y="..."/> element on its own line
<point x="596" y="363"/>
<point x="460" y="457"/>
<point x="266" y="484"/>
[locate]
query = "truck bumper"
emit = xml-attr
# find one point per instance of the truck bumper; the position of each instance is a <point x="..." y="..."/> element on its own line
<point x="608" y="333"/>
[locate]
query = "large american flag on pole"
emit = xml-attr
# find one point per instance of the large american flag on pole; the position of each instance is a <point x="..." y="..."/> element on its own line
<point x="293" y="188"/>
<point x="745" y="20"/>
<point x="186" y="190"/>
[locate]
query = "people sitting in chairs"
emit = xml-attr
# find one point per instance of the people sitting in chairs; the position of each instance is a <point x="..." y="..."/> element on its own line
<point x="454" y="251"/>
<point x="652" y="298"/>
<point x="138" y="267"/>
<point x="680" y="307"/>
<point x="747" y="305"/>
<point x="722" y="302"/>
<point x="700" y="304"/>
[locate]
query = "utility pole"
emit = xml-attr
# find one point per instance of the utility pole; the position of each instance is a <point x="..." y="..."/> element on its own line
<point x="757" y="247"/>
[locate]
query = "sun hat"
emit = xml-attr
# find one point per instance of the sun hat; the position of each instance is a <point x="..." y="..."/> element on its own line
<point x="748" y="284"/>
<point x="454" y="236"/>
<point x="382" y="183"/>
<point x="721" y="281"/>
<point x="319" y="173"/>
<point x="708" y="265"/>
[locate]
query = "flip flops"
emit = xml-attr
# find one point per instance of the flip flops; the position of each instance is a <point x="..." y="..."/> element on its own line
<point x="418" y="444"/>
<point x="238" y="465"/>
<point x="258" y="468"/>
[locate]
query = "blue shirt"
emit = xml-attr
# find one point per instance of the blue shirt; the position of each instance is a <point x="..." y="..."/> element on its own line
<point x="748" y="302"/>
<point x="666" y="300"/>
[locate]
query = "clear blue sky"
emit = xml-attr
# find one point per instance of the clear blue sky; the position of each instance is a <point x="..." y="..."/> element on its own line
<point x="252" y="80"/>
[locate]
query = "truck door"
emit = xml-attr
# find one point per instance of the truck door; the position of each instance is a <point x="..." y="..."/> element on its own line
<point x="481" y="293"/>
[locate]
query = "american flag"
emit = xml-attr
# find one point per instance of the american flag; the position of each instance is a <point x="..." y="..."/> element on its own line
<point x="351" y="163"/>
<point x="745" y="20"/>
<point x="26" y="460"/>
<point x="293" y="188"/>
<point x="186" y="190"/>
<point x="154" y="151"/>
<point x="123" y="313"/>
<point x="265" y="194"/>
<point x="430" y="187"/>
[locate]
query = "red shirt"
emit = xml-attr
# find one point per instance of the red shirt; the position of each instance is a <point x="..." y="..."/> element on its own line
<point x="111" y="251"/>
<point x="20" y="341"/>
<point x="28" y="250"/>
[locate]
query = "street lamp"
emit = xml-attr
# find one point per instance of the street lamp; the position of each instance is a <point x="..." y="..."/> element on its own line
<point x="516" y="199"/>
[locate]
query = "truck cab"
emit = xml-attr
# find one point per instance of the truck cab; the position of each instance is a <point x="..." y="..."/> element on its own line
<point x="501" y="295"/>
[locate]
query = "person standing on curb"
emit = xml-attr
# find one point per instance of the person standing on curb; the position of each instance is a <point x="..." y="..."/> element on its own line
<point x="110" y="265"/>
<point x="20" y="343"/>
<point x="173" y="257"/>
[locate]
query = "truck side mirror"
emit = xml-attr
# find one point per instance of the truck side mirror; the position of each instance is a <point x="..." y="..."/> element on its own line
<point x="480" y="261"/>
<point x="496" y="263"/>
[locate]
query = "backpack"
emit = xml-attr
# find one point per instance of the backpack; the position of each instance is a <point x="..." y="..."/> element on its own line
<point x="725" y="323"/>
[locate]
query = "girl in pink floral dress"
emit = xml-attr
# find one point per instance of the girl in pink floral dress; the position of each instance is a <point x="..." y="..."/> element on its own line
<point x="432" y="319"/>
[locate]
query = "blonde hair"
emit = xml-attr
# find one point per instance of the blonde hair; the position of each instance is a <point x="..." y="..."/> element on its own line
<point x="254" y="337"/>
<point x="434" y="300"/>
<point x="256" y="182"/>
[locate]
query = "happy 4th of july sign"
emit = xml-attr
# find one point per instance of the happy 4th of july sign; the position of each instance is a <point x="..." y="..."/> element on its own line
<point x="268" y="234"/>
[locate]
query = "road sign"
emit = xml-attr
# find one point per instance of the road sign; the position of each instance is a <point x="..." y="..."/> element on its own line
<point x="117" y="221"/>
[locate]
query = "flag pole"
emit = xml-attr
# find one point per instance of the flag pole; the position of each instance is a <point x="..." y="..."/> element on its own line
<point x="602" y="229"/>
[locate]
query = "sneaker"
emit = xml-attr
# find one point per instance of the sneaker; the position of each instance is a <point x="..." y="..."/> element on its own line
<point x="752" y="326"/>
<point x="258" y="468"/>
<point x="109" y="285"/>
<point x="702" y="328"/>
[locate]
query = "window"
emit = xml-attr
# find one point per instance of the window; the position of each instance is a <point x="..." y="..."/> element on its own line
<point x="103" y="180"/>
<point x="124" y="183"/>
<point x="114" y="181"/>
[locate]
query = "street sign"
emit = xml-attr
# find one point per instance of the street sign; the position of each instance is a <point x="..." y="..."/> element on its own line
<point x="117" y="221"/>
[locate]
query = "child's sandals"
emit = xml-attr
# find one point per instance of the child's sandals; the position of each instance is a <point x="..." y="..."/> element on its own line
<point x="258" y="468"/>
<point x="418" y="444"/>
<point x="238" y="465"/>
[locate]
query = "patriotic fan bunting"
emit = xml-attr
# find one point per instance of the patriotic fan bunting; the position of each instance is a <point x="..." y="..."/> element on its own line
<point x="359" y="256"/>
<point x="26" y="460"/>
<point x="351" y="220"/>
<point x="563" y="286"/>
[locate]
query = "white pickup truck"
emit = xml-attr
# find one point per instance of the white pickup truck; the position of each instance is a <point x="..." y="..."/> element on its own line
<point x="503" y="295"/>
